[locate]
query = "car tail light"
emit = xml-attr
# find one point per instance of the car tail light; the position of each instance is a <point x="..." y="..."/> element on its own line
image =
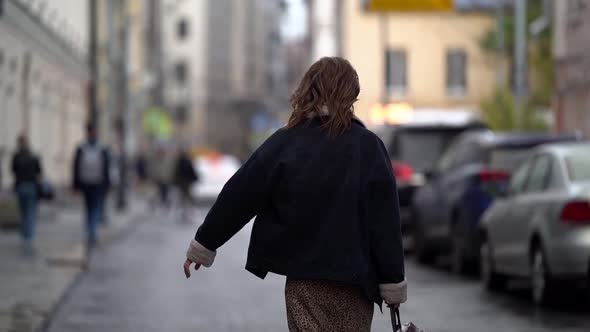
<point x="403" y="172"/>
<point x="493" y="175"/>
<point x="577" y="212"/>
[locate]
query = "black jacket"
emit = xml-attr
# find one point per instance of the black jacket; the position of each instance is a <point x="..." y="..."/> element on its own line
<point x="26" y="167"/>
<point x="326" y="208"/>
<point x="184" y="171"/>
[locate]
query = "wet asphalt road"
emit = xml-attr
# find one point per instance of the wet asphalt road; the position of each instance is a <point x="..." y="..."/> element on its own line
<point x="137" y="284"/>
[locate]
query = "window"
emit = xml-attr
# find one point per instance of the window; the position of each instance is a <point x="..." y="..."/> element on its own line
<point x="420" y="147"/>
<point x="578" y="166"/>
<point x="456" y="72"/>
<point x="540" y="174"/>
<point x="449" y="158"/>
<point x="508" y="158"/>
<point x="1" y="57"/>
<point x="180" y="70"/>
<point x="470" y="153"/>
<point x="518" y="179"/>
<point x="182" y="29"/>
<point x="396" y="72"/>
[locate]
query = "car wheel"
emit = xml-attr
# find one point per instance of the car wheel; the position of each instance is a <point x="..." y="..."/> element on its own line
<point x="422" y="251"/>
<point x="541" y="289"/>
<point x="490" y="279"/>
<point x="458" y="261"/>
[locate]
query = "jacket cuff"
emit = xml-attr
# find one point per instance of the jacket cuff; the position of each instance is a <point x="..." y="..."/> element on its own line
<point x="394" y="293"/>
<point x="198" y="254"/>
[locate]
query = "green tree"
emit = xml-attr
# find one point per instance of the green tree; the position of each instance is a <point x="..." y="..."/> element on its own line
<point x="502" y="113"/>
<point x="541" y="67"/>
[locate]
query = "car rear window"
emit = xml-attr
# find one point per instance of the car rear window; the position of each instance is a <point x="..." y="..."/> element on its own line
<point x="421" y="148"/>
<point x="508" y="159"/>
<point x="578" y="167"/>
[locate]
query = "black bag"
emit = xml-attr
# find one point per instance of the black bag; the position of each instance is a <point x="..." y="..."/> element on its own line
<point x="396" y="323"/>
<point x="45" y="190"/>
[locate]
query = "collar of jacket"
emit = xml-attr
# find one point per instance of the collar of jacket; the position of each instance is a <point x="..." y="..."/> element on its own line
<point x="324" y="112"/>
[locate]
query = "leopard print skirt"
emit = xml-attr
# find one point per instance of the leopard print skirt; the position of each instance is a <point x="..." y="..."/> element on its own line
<point x="320" y="305"/>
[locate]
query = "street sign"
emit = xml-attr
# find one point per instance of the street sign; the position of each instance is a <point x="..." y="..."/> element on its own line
<point x="408" y="5"/>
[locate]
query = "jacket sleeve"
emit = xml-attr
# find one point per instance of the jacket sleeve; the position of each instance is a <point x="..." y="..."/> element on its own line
<point x="238" y="203"/>
<point x="384" y="220"/>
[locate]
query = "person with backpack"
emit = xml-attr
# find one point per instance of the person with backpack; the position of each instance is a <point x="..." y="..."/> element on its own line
<point x="91" y="178"/>
<point x="162" y="173"/>
<point x="26" y="167"/>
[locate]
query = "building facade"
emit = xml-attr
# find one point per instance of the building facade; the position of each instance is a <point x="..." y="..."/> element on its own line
<point x="417" y="59"/>
<point x="222" y="66"/>
<point x="572" y="65"/>
<point x="184" y="38"/>
<point x="123" y="77"/>
<point x="43" y="80"/>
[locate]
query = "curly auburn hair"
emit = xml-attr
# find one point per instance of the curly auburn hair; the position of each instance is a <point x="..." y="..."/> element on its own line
<point x="331" y="84"/>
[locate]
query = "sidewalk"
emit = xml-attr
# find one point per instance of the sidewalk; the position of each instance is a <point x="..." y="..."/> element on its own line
<point x="31" y="288"/>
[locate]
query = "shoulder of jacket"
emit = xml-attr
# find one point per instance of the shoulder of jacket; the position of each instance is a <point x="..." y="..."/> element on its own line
<point x="275" y="140"/>
<point x="369" y="137"/>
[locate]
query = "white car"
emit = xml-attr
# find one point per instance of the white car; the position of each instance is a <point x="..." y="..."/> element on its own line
<point x="214" y="171"/>
<point x="541" y="229"/>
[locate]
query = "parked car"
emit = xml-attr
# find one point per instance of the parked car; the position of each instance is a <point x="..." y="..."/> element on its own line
<point x="415" y="146"/>
<point x="475" y="168"/>
<point x="541" y="229"/>
<point x="214" y="171"/>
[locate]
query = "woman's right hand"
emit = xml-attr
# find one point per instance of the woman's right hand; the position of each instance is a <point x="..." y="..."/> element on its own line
<point x="187" y="267"/>
<point x="198" y="255"/>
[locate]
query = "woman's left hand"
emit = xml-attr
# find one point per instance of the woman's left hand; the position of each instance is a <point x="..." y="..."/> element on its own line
<point x="187" y="267"/>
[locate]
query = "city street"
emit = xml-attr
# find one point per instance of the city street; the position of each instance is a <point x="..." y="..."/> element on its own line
<point x="136" y="284"/>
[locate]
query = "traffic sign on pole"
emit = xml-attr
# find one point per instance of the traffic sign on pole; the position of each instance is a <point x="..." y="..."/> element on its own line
<point x="408" y="5"/>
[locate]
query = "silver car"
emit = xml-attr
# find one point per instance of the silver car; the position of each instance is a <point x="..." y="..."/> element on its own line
<point x="540" y="229"/>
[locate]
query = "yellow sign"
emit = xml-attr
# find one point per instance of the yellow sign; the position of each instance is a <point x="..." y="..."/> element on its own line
<point x="409" y="5"/>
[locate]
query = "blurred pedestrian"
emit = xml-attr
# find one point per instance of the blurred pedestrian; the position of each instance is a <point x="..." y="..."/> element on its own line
<point x="185" y="176"/>
<point x="91" y="176"/>
<point x="27" y="170"/>
<point x="325" y="199"/>
<point x="141" y="167"/>
<point x="161" y="169"/>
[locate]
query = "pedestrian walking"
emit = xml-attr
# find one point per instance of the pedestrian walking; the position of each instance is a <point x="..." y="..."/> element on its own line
<point x="27" y="171"/>
<point x="185" y="176"/>
<point x="91" y="178"/>
<point x="325" y="199"/>
<point x="141" y="168"/>
<point x="162" y="172"/>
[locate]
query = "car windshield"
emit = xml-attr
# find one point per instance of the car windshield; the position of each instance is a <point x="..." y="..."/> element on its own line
<point x="508" y="159"/>
<point x="421" y="148"/>
<point x="578" y="167"/>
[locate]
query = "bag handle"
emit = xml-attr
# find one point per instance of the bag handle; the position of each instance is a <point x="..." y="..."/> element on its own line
<point x="396" y="322"/>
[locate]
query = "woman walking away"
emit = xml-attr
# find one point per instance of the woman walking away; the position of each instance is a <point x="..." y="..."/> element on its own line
<point x="326" y="205"/>
<point x="26" y="168"/>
